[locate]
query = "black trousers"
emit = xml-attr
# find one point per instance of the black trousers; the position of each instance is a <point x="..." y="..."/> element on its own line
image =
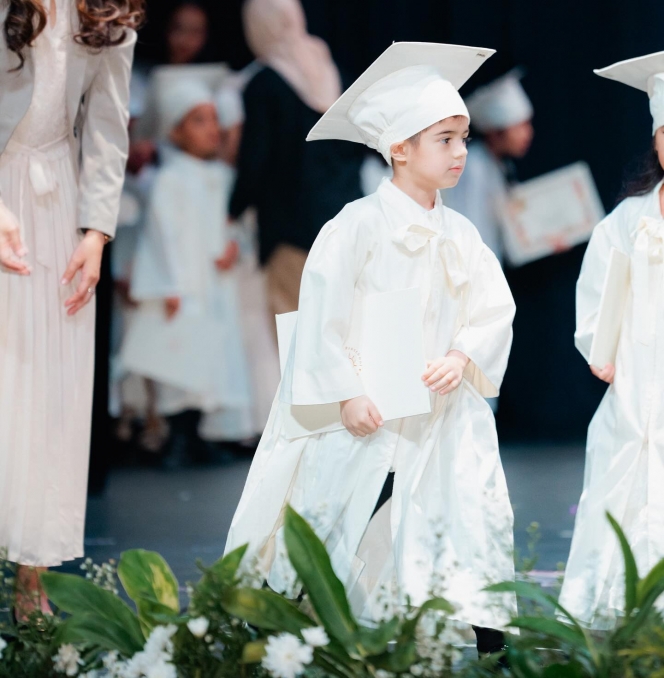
<point x="488" y="640"/>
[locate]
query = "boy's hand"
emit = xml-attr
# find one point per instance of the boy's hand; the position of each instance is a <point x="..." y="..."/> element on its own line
<point x="229" y="258"/>
<point x="360" y="416"/>
<point x="445" y="374"/>
<point x="171" y="306"/>
<point x="607" y="373"/>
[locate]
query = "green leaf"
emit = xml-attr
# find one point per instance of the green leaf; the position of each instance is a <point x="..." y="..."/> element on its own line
<point x="226" y="568"/>
<point x="401" y="659"/>
<point x="91" y="629"/>
<point x="519" y="663"/>
<point x="569" y="670"/>
<point x="265" y="610"/>
<point x="326" y="592"/>
<point x="652" y="582"/>
<point x="151" y="584"/>
<point x="631" y="572"/>
<point x="253" y="652"/>
<point x="552" y="628"/>
<point x="375" y="641"/>
<point x="79" y="597"/>
<point x="440" y="604"/>
<point x="532" y="592"/>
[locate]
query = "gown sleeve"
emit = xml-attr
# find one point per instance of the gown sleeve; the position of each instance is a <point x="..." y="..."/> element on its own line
<point x="591" y="281"/>
<point x="318" y="370"/>
<point x="156" y="273"/>
<point x="105" y="139"/>
<point x="486" y="333"/>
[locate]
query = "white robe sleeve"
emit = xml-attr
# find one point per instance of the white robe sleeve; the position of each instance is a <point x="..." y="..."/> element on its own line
<point x="486" y="335"/>
<point x="318" y="370"/>
<point x="156" y="272"/>
<point x="591" y="280"/>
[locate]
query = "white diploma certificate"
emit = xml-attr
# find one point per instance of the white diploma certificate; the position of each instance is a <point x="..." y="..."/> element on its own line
<point x="385" y="344"/>
<point x="549" y="213"/>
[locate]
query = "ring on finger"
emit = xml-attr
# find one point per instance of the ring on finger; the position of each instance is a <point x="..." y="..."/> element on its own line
<point x="91" y="290"/>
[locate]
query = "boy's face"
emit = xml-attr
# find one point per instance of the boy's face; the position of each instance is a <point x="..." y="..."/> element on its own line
<point x="199" y="133"/>
<point x="187" y="34"/>
<point x="659" y="145"/>
<point x="437" y="158"/>
<point x="513" y="142"/>
<point x="230" y="143"/>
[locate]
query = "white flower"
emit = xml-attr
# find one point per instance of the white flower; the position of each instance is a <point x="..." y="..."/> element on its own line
<point x="381" y="673"/>
<point x="199" y="626"/>
<point x="3" y="645"/>
<point x="416" y="670"/>
<point x="67" y="660"/>
<point x="159" y="645"/>
<point x="286" y="656"/>
<point x="315" y="637"/>
<point x="162" y="670"/>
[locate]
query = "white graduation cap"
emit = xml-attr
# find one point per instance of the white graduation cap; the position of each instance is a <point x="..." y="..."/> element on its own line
<point x="230" y="106"/>
<point x="645" y="73"/>
<point x="411" y="86"/>
<point x="176" y="90"/>
<point x="500" y="104"/>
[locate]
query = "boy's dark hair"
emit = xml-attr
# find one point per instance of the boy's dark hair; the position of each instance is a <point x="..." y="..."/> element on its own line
<point x="648" y="174"/>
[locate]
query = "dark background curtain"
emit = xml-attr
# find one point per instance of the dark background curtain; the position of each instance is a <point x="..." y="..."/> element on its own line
<point x="548" y="392"/>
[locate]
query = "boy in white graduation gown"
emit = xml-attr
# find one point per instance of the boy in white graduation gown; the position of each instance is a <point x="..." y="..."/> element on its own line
<point x="502" y="112"/>
<point x="448" y="474"/>
<point x="186" y="335"/>
<point x="625" y="448"/>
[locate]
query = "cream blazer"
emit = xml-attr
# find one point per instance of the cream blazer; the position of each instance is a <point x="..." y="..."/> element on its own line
<point x="98" y="112"/>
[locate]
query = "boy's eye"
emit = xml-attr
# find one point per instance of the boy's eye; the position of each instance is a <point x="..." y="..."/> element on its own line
<point x="445" y="140"/>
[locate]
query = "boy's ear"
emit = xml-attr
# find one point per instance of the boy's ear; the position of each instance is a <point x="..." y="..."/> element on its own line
<point x="399" y="151"/>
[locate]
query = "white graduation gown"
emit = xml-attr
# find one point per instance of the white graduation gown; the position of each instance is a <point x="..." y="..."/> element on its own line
<point x="479" y="195"/>
<point x="185" y="231"/>
<point x="449" y="479"/>
<point x="625" y="448"/>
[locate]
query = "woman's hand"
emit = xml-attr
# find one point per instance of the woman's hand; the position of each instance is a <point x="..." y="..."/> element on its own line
<point x="87" y="260"/>
<point x="445" y="374"/>
<point x="607" y="373"/>
<point x="12" y="249"/>
<point x="360" y="416"/>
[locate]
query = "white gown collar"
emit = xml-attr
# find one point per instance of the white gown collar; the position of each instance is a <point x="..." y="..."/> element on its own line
<point x="405" y="211"/>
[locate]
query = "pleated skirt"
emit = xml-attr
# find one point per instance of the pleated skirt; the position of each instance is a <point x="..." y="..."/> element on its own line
<point x="46" y="366"/>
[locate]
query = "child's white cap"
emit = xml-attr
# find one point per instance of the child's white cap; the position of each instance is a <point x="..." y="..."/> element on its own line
<point x="180" y="89"/>
<point x="645" y="73"/>
<point x="410" y="87"/>
<point x="230" y="106"/>
<point x="500" y="104"/>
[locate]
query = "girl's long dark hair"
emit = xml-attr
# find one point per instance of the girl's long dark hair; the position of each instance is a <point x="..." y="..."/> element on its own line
<point x="648" y="174"/>
<point x="102" y="22"/>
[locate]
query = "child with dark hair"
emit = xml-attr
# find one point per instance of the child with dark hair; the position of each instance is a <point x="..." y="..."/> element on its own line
<point x="625" y="450"/>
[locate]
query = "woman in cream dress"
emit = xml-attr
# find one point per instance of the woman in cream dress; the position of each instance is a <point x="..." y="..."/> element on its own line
<point x="64" y="83"/>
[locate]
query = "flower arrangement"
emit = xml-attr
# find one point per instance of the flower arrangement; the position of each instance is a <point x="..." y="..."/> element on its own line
<point x="233" y="627"/>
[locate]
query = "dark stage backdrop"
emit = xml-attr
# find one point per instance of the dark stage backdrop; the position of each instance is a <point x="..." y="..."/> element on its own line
<point x="548" y="391"/>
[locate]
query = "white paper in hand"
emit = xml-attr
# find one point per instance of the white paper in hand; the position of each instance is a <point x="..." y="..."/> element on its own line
<point x="385" y="344"/>
<point x="611" y="310"/>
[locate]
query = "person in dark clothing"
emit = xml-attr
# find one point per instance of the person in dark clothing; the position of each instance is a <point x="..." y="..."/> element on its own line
<point x="295" y="187"/>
